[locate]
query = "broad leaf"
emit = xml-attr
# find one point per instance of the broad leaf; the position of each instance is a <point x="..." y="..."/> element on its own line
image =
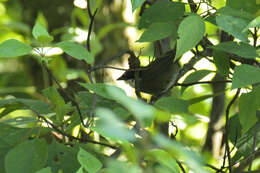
<point x="115" y="166"/>
<point x="252" y="24"/>
<point x="222" y="62"/>
<point x="110" y="126"/>
<point x="45" y="170"/>
<point x="33" y="157"/>
<point x="76" y="51"/>
<point x="62" y="157"/>
<point x="163" y="158"/>
<point x="136" y="4"/>
<point x="13" y="48"/>
<point x="14" y="104"/>
<point x="248" y="105"/>
<point x="41" y="34"/>
<point x="162" y="12"/>
<point x="195" y="77"/>
<point x="173" y="105"/>
<point x="157" y="31"/>
<point x="190" y="32"/>
<point x="193" y="161"/>
<point x="142" y="111"/>
<point x="247" y="112"/>
<point x="88" y="161"/>
<point x="245" y="75"/>
<point x="251" y="6"/>
<point x="241" y="49"/>
<point x="233" y="26"/>
<point x="61" y="108"/>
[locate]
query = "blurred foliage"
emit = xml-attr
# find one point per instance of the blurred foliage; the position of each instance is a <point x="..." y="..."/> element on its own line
<point x="58" y="116"/>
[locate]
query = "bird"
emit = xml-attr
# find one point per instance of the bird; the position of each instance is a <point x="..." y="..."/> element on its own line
<point x="155" y="78"/>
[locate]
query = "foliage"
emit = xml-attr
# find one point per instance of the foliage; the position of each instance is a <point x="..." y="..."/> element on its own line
<point x="73" y="122"/>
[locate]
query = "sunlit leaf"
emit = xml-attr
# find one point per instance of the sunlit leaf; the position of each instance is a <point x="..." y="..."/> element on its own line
<point x="241" y="49"/>
<point x="253" y="23"/>
<point x="195" y="77"/>
<point x="41" y="34"/>
<point x="45" y="170"/>
<point x="136" y="4"/>
<point x="233" y="26"/>
<point x="76" y="51"/>
<point x="110" y="126"/>
<point x="190" y="32"/>
<point x="13" y="48"/>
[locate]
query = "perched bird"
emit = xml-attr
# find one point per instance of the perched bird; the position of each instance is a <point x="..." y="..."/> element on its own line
<point x="155" y="78"/>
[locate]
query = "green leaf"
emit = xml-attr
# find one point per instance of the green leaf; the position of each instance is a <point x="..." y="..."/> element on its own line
<point x="110" y="126"/>
<point x="41" y="34"/>
<point x="221" y="61"/>
<point x="136" y="4"/>
<point x="245" y="75"/>
<point x="28" y="157"/>
<point x="15" y="104"/>
<point x="142" y="111"/>
<point x="10" y="136"/>
<point x="13" y="48"/>
<point x="193" y="161"/>
<point x="157" y="31"/>
<point x="248" y="105"/>
<point x="195" y="77"/>
<point x="233" y="26"/>
<point x="253" y="23"/>
<point x="162" y="12"/>
<point x="76" y="51"/>
<point x="88" y="161"/>
<point x="61" y="108"/>
<point x="190" y="32"/>
<point x="247" y="112"/>
<point x="60" y="155"/>
<point x="45" y="170"/>
<point x="98" y="88"/>
<point x="244" y="6"/>
<point x="115" y="166"/>
<point x="173" y="105"/>
<point x="241" y="49"/>
<point x="245" y="142"/>
<point x="235" y="12"/>
<point x="163" y="158"/>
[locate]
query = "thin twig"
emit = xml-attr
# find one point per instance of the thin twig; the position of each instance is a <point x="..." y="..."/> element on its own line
<point x="180" y="165"/>
<point x="202" y="82"/>
<point x="73" y="137"/>
<point x="227" y="150"/>
<point x="74" y="102"/>
<point x="92" y="17"/>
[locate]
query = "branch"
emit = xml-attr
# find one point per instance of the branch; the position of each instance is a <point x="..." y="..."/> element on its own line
<point x="202" y="82"/>
<point x="73" y="137"/>
<point x="44" y="65"/>
<point x="92" y="17"/>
